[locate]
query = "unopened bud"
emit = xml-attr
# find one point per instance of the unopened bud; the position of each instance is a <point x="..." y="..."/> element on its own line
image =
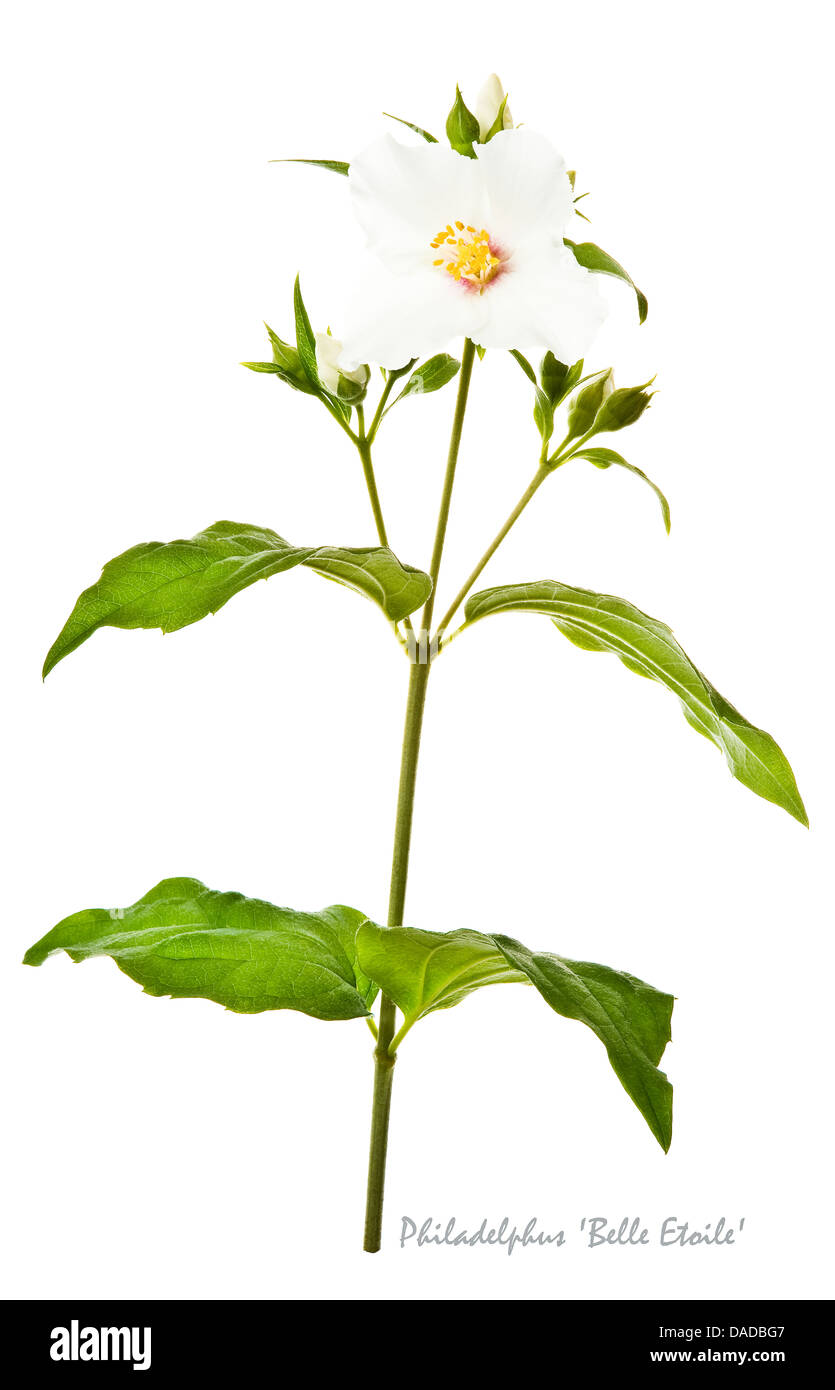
<point x="586" y="404"/>
<point x="489" y="104"/>
<point x="348" y="385"/>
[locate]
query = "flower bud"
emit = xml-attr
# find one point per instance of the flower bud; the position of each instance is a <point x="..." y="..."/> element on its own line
<point x="623" y="408"/>
<point x="489" y="104"/>
<point x="586" y="404"/>
<point x="347" y="385"/>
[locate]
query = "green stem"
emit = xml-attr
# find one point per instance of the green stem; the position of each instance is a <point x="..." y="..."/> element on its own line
<point x="418" y="679"/>
<point x="536" y="483"/>
<point x="363" y="443"/>
<point x="386" y="392"/>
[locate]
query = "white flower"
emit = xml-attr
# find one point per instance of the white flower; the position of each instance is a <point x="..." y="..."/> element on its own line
<point x="465" y="247"/>
<point x="328" y="353"/>
<point x="487" y="106"/>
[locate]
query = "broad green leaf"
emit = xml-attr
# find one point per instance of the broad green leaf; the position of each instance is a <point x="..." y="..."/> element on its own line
<point x="424" y="134"/>
<point x="604" y="458"/>
<point x="429" y="376"/>
<point x="604" y="623"/>
<point x="184" y="940"/>
<point x="423" y="971"/>
<point x="630" y="1018"/>
<point x="171" y="585"/>
<point x="336" y="166"/>
<point x="462" y="128"/>
<point x="593" y="258"/>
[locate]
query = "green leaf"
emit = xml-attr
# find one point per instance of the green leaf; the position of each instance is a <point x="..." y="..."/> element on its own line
<point x="604" y="458"/>
<point x="524" y="364"/>
<point x="424" y="134"/>
<point x="423" y="971"/>
<point x="171" y="585"/>
<point x="184" y="940"/>
<point x="429" y="376"/>
<point x="336" y="166"/>
<point x="265" y="367"/>
<point x="593" y="258"/>
<point x="462" y="127"/>
<point x="630" y="1018"/>
<point x="603" y="623"/>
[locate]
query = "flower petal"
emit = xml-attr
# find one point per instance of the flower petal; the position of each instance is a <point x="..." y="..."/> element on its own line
<point x="527" y="187"/>
<point x="394" y="318"/>
<point x="403" y="195"/>
<point x="543" y="301"/>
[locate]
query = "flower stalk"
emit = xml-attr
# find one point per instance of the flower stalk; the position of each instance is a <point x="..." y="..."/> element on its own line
<point x="384" y="1058"/>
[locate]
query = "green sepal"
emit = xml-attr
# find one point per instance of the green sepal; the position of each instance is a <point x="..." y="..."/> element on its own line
<point x="188" y="942"/>
<point x="306" y="349"/>
<point x="543" y="415"/>
<point x="622" y="408"/>
<point x="286" y="365"/>
<point x="584" y="408"/>
<point x="498" y="124"/>
<point x="558" y="379"/>
<point x="462" y="128"/>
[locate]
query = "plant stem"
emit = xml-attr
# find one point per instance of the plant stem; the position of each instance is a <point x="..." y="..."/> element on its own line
<point x="363" y="443"/>
<point x="418" y="680"/>
<point x="536" y="482"/>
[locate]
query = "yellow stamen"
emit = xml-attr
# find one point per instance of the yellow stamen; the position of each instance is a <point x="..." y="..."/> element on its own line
<point x="471" y="259"/>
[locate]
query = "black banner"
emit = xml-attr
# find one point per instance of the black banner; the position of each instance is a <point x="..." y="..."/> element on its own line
<point x="164" y="1340"/>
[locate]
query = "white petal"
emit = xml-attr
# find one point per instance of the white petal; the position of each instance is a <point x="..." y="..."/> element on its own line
<point x="487" y="105"/>
<point x="544" y="301"/>
<point x="403" y="195"/>
<point x="527" y="187"/>
<point x="394" y="318"/>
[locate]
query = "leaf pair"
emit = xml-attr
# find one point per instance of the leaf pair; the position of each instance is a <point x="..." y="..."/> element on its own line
<point x="184" y="940"/>
<point x="171" y="585"/>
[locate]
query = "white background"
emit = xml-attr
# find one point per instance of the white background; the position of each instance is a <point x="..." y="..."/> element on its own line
<point x="172" y="1149"/>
